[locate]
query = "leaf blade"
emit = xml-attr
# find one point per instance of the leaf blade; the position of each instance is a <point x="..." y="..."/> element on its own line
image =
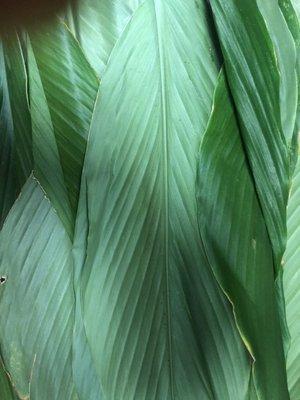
<point x="237" y="243"/>
<point x="70" y="88"/>
<point x="254" y="80"/>
<point x="291" y="286"/>
<point x="142" y="239"/>
<point x="35" y="257"/>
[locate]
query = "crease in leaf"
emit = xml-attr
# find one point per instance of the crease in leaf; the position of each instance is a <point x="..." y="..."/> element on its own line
<point x="242" y="264"/>
<point x="47" y="168"/>
<point x="15" y="126"/>
<point x="286" y="57"/>
<point x="254" y="80"/>
<point x="98" y="25"/>
<point x="66" y="87"/>
<point x="7" y="392"/>
<point x="36" y="249"/>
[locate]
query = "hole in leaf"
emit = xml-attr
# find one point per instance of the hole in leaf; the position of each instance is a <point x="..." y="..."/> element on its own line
<point x="3" y="279"/>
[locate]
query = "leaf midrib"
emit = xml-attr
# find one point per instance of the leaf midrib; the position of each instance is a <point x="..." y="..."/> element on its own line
<point x="158" y="12"/>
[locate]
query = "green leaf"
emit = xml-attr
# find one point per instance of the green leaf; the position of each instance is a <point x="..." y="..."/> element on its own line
<point x="8" y="179"/>
<point x="168" y="289"/>
<point x="296" y="5"/>
<point x="6" y="389"/>
<point x="44" y="349"/>
<point x="292" y="19"/>
<point x="37" y="299"/>
<point x="237" y="244"/>
<point x="291" y="279"/>
<point x="46" y="157"/>
<point x="15" y="126"/>
<point x="158" y="325"/>
<point x="286" y="56"/>
<point x="97" y="24"/>
<point x="63" y="78"/>
<point x="87" y="380"/>
<point x="254" y="80"/>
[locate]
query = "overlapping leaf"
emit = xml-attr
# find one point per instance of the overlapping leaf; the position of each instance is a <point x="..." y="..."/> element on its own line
<point x="254" y="80"/>
<point x="278" y="25"/>
<point x="237" y="244"/>
<point x="37" y="299"/>
<point x="98" y="24"/>
<point x="15" y="127"/>
<point x="63" y="93"/>
<point x="47" y="161"/>
<point x="159" y="297"/>
<point x="291" y="13"/>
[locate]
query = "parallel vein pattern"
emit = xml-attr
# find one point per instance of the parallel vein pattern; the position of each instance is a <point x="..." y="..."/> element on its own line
<point x="15" y="128"/>
<point x="149" y="276"/>
<point x="98" y="24"/>
<point x="159" y="18"/>
<point x="254" y="80"/>
<point x="286" y="57"/>
<point x="37" y="299"/>
<point x="158" y="325"/>
<point x="291" y="279"/>
<point x="46" y="157"/>
<point x="69" y="85"/>
<point x="237" y="244"/>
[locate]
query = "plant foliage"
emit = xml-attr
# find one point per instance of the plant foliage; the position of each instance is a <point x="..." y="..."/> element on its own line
<point x="148" y="149"/>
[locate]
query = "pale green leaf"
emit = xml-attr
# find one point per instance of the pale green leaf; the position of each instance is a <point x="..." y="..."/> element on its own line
<point x="37" y="299"/>
<point x="296" y="4"/>
<point x="286" y="59"/>
<point x="97" y="24"/>
<point x="158" y="325"/>
<point x="291" y="281"/>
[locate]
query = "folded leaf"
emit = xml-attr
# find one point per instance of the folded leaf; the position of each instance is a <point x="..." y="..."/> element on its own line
<point x="47" y="161"/>
<point x="15" y="126"/>
<point x="254" y="80"/>
<point x="70" y="87"/>
<point x="6" y="389"/>
<point x="286" y="56"/>
<point x="289" y="10"/>
<point x="237" y="244"/>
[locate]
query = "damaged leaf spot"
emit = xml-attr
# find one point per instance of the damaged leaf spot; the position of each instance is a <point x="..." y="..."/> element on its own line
<point x="3" y="279"/>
